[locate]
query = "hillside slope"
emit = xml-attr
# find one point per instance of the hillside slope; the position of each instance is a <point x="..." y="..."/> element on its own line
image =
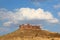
<point x="30" y="34"/>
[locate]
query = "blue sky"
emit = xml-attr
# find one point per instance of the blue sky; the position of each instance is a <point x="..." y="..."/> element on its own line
<point x="10" y="11"/>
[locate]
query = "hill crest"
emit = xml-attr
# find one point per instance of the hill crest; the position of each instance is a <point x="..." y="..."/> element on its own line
<point x="30" y="32"/>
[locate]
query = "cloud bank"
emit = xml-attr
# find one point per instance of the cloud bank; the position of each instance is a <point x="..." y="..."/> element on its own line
<point x="57" y="6"/>
<point x="59" y="14"/>
<point x="38" y="0"/>
<point x="26" y="15"/>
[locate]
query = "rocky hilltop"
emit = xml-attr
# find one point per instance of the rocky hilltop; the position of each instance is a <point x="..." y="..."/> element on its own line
<point x="31" y="32"/>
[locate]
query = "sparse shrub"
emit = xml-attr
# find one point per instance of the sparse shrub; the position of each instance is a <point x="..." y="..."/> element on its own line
<point x="36" y="35"/>
<point x="52" y="39"/>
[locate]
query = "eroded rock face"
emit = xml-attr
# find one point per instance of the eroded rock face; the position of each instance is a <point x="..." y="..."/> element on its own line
<point x="28" y="26"/>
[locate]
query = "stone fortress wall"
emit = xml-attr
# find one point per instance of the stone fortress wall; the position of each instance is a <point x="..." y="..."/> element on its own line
<point x="29" y="26"/>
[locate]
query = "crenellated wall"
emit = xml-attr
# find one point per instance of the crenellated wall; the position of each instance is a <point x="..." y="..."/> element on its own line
<point x="28" y="26"/>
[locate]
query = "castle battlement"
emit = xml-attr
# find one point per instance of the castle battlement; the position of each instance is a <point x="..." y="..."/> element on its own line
<point x="29" y="26"/>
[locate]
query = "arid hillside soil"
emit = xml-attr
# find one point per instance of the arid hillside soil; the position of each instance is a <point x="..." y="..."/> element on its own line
<point x="30" y="32"/>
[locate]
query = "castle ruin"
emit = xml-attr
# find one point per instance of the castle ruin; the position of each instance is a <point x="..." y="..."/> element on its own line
<point x="28" y="26"/>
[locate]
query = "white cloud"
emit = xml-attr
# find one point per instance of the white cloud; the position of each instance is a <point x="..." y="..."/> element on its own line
<point x="39" y="0"/>
<point x="58" y="13"/>
<point x="7" y="23"/>
<point x="53" y="20"/>
<point x="23" y="14"/>
<point x="57" y="6"/>
<point x="30" y="14"/>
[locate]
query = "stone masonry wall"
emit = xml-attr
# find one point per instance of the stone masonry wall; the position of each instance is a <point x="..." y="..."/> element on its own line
<point x="28" y="26"/>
